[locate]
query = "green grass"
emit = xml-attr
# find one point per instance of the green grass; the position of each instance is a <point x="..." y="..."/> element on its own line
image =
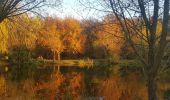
<point x="88" y="63"/>
<point x="131" y="63"/>
<point x="92" y="62"/>
<point x="80" y="63"/>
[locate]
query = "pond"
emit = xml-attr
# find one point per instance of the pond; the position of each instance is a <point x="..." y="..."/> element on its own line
<point x="73" y="83"/>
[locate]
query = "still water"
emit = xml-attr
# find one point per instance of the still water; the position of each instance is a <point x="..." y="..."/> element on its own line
<point x="73" y="83"/>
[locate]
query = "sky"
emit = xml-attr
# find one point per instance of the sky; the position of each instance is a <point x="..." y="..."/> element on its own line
<point x="72" y="8"/>
<point x="68" y="8"/>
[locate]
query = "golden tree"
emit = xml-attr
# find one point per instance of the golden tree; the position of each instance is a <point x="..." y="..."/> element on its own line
<point x="51" y="36"/>
<point x="74" y="40"/>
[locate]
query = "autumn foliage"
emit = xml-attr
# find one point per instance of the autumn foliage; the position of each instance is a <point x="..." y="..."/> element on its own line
<point x="68" y="38"/>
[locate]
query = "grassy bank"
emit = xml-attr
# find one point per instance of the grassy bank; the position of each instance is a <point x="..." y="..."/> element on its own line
<point x="80" y="63"/>
<point x="131" y="63"/>
<point x="84" y="62"/>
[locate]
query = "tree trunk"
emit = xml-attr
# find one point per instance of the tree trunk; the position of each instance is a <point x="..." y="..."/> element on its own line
<point x="54" y="60"/>
<point x="152" y="87"/>
<point x="59" y="59"/>
<point x="53" y="56"/>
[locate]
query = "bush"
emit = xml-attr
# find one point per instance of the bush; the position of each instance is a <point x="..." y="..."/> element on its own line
<point x="113" y="59"/>
<point x="22" y="63"/>
<point x="22" y="56"/>
<point x="19" y="55"/>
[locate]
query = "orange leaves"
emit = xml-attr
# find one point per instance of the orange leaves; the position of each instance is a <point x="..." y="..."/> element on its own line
<point x="72" y="26"/>
<point x="23" y="31"/>
<point x="74" y="38"/>
<point x="50" y="36"/>
<point x="110" y="35"/>
<point x="60" y="35"/>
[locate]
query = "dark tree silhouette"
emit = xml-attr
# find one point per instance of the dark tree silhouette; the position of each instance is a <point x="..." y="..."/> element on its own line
<point x="10" y="8"/>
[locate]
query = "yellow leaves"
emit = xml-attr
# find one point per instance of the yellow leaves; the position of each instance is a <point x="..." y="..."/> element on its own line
<point x="74" y="38"/>
<point x="110" y="35"/>
<point x="60" y="35"/>
<point x="72" y="26"/>
<point x="159" y="29"/>
<point x="142" y="37"/>
<point x="51" y="36"/>
<point x="23" y="31"/>
<point x="3" y="37"/>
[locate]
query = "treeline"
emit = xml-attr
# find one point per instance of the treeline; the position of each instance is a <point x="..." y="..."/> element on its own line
<point x="68" y="38"/>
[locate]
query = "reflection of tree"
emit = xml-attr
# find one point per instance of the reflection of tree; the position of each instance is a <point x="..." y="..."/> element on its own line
<point x="93" y="77"/>
<point x="60" y="86"/>
<point x="72" y="87"/>
<point x="117" y="88"/>
<point x="49" y="89"/>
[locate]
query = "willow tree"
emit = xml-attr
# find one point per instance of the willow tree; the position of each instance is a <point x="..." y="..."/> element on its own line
<point x="23" y="32"/>
<point x="11" y="8"/>
<point x="139" y="19"/>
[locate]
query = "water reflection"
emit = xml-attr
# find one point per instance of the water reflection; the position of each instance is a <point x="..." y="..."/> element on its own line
<point x="107" y="83"/>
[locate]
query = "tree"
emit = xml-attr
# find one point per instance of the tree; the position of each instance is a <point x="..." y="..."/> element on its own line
<point x="155" y="44"/>
<point x="74" y="39"/>
<point x="103" y="38"/>
<point x="11" y="8"/>
<point x="111" y="35"/>
<point x="4" y="37"/>
<point x="90" y="30"/>
<point x="51" y="36"/>
<point x="23" y="32"/>
<point x="134" y="16"/>
<point x="21" y="41"/>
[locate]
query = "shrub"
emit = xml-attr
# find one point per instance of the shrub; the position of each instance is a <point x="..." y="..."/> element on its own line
<point x="22" y="63"/>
